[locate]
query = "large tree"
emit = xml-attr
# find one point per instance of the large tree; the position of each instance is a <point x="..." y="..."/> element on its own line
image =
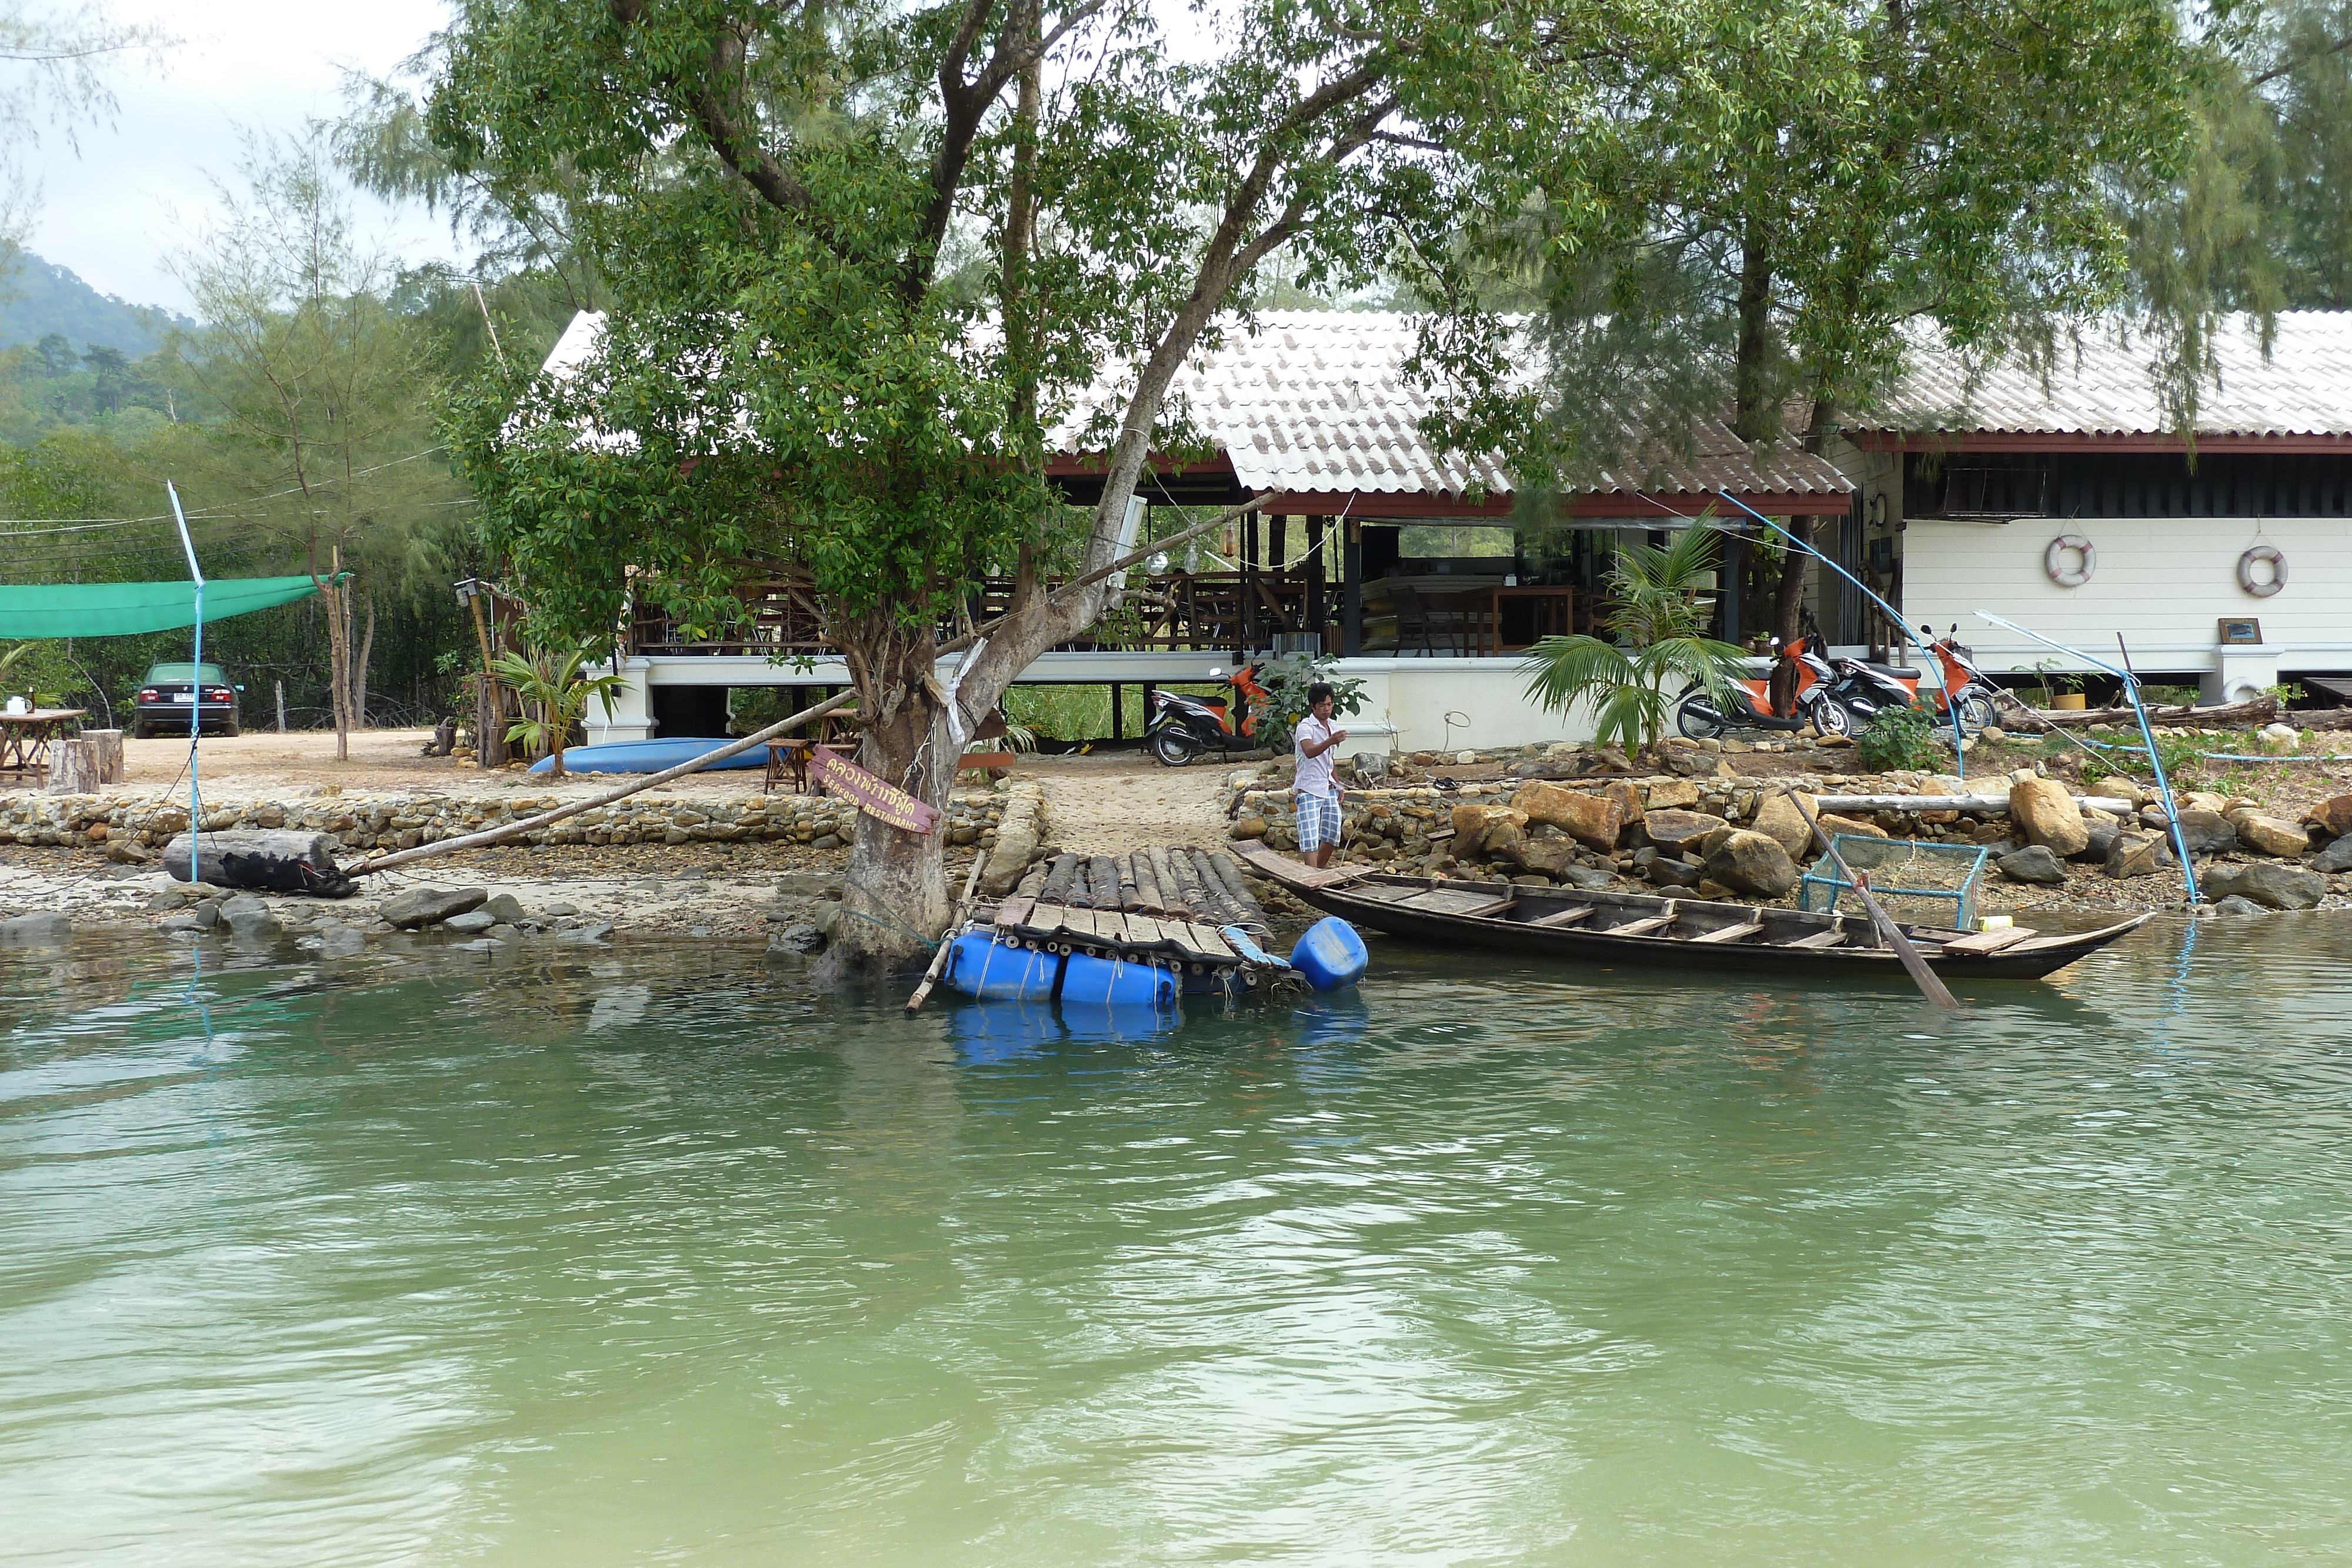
<point x="866" y="256"/>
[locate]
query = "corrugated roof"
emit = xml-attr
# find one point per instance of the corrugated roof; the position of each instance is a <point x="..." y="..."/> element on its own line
<point x="1317" y="400"/>
<point x="2103" y="387"/>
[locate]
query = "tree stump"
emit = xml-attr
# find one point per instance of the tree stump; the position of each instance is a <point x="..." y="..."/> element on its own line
<point x="110" y="753"/>
<point x="73" y="768"/>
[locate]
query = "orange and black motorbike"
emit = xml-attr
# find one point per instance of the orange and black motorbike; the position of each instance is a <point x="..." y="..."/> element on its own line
<point x="1180" y="727"/>
<point x="1701" y="717"/>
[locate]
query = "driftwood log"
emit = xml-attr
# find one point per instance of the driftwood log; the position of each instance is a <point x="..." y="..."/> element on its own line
<point x="2253" y="711"/>
<point x="73" y="768"/>
<point x="110" y="753"/>
<point x="1997" y="805"/>
<point x="269" y="859"/>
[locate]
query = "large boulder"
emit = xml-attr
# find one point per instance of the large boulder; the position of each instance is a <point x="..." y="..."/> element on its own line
<point x="1552" y="857"/>
<point x="1474" y="821"/>
<point x="1016" y="839"/>
<point x="2103" y="831"/>
<point x="2335" y="857"/>
<point x="247" y="915"/>
<point x="48" y="928"/>
<point x="1675" y="829"/>
<point x="2267" y="835"/>
<point x="2208" y="833"/>
<point x="2045" y="812"/>
<point x="2036" y="863"/>
<point x="1778" y="819"/>
<point x="421" y="907"/>
<point x="1751" y="863"/>
<point x="2267" y="882"/>
<point x="1852" y="827"/>
<point x="2137" y="854"/>
<point x="1671" y="794"/>
<point x="1629" y="799"/>
<point x="1592" y="820"/>
<point x="2332" y="816"/>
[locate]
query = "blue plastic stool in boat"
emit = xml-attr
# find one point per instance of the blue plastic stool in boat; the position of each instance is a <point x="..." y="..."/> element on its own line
<point x="1331" y="956"/>
<point x="995" y="971"/>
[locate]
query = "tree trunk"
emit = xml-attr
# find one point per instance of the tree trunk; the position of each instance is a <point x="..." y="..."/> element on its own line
<point x="360" y="668"/>
<point x="1755" y="412"/>
<point x="1789" y="602"/>
<point x="339" y="667"/>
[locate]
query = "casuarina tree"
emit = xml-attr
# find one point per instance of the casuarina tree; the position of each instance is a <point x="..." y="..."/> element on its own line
<point x="866" y="256"/>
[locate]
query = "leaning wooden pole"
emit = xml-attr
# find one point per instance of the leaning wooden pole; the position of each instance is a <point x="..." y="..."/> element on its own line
<point x="1930" y="984"/>
<point x="947" y="941"/>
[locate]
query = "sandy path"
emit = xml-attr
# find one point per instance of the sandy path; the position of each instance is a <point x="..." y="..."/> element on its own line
<point x="1112" y="803"/>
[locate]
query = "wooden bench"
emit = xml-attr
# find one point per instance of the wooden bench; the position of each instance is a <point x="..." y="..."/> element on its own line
<point x="1575" y="915"/>
<point x="1731" y="932"/>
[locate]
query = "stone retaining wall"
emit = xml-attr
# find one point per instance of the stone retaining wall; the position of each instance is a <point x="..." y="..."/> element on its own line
<point x="135" y="828"/>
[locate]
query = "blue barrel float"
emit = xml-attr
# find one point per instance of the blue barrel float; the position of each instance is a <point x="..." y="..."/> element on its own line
<point x="1116" y="983"/>
<point x="978" y="966"/>
<point x="1331" y="956"/>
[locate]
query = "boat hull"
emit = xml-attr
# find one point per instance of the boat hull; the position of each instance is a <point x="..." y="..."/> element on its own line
<point x="1371" y="900"/>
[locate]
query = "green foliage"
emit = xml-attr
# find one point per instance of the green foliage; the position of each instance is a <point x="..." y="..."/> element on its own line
<point x="1287" y="679"/>
<point x="555" y="692"/>
<point x="1899" y="737"/>
<point x="1661" y="648"/>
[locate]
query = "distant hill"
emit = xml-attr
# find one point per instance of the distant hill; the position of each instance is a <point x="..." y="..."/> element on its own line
<point x="39" y="297"/>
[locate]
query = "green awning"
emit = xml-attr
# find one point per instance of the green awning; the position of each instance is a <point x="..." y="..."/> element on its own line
<point x="120" y="609"/>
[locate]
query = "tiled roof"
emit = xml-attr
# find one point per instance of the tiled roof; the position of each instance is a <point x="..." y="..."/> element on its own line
<point x="1317" y="402"/>
<point x="2102" y="386"/>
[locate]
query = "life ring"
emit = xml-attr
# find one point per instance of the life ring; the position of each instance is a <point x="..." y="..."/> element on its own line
<point x="2054" y="560"/>
<point x="2246" y="570"/>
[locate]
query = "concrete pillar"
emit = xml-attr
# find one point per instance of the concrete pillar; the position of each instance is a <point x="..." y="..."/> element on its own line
<point x="631" y="716"/>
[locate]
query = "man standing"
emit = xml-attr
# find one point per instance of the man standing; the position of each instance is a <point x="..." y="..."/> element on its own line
<point x="1318" y="792"/>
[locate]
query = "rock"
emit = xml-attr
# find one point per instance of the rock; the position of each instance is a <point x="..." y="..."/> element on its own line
<point x="1592" y="820"/>
<point x="2236" y="904"/>
<point x="1993" y="733"/>
<point x="1612" y="758"/>
<point x="247" y="915"/>
<point x="2102" y="829"/>
<point x="2035" y="863"/>
<point x="1247" y="828"/>
<point x="2137" y="854"/>
<point x="1016" y="841"/>
<point x="600" y="931"/>
<point x="421" y="907"/>
<point x="1629" y="800"/>
<point x="802" y="938"/>
<point x="2208" y="833"/>
<point x="1665" y="872"/>
<point x="2335" y="857"/>
<point x="1671" y="794"/>
<point x="183" y="921"/>
<point x="2267" y="882"/>
<point x="505" y="907"/>
<point x="2272" y="835"/>
<point x="2279" y="738"/>
<point x="825" y="842"/>
<point x="1778" y="819"/>
<point x="1855" y="826"/>
<point x="1691" y="763"/>
<point x="2332" y="816"/>
<point x="1673" y="828"/>
<point x="2044" y="811"/>
<point x="1551" y="857"/>
<point x="560" y="911"/>
<point x="1465" y="759"/>
<point x="340" y="941"/>
<point x="1473" y="824"/>
<point x="206" y="915"/>
<point x="1588" y="879"/>
<point x="48" y="929"/>
<point x="1751" y="863"/>
<point x="793" y="884"/>
<point x="472" y="923"/>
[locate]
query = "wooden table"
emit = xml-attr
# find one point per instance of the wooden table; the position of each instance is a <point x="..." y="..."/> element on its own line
<point x="24" y="737"/>
<point x="1552" y="613"/>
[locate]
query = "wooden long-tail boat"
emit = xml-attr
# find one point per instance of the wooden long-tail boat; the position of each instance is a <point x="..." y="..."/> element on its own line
<point x="1684" y="932"/>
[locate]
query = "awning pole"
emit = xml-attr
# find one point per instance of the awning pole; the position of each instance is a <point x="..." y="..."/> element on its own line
<point x="196" y="692"/>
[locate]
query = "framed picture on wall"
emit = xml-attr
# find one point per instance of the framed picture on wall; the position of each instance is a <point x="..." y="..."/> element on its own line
<point x="2240" y="631"/>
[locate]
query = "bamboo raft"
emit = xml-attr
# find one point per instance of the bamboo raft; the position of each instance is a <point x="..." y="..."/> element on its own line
<point x="1166" y="906"/>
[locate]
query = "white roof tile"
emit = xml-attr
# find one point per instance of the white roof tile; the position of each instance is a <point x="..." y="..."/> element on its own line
<point x="2102" y="386"/>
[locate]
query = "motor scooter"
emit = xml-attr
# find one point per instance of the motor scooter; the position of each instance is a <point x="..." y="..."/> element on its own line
<point x="1966" y="687"/>
<point x="1179" y="727"/>
<point x="1700" y="716"/>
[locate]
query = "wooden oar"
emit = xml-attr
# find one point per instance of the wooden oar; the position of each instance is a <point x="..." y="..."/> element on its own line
<point x="955" y="929"/>
<point x="1930" y="984"/>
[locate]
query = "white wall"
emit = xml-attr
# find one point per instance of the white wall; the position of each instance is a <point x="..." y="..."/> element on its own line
<point x="2162" y="582"/>
<point x="1416" y="696"/>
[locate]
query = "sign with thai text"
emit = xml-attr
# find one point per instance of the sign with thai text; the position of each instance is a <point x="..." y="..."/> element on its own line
<point x="883" y="801"/>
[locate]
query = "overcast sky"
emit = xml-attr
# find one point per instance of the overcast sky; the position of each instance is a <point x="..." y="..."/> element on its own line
<point x="138" y="188"/>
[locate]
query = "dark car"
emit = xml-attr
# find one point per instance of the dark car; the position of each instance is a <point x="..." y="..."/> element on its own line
<point x="165" y="693"/>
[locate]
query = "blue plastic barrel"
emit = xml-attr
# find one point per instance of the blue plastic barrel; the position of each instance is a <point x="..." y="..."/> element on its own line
<point x="980" y="966"/>
<point x="1112" y="983"/>
<point x="1331" y="956"/>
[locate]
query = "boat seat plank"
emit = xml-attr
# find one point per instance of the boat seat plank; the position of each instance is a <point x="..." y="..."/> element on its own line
<point x="1828" y="938"/>
<point x="1447" y="901"/>
<point x="1648" y="925"/>
<point x="1731" y="932"/>
<point x="1985" y="942"/>
<point x="1574" y="915"/>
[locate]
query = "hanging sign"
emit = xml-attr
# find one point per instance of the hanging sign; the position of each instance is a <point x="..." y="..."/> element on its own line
<point x="883" y="801"/>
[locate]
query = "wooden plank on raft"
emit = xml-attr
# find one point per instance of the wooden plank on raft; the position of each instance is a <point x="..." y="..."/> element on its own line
<point x="1984" y="943"/>
<point x="1575" y="915"/>
<point x="1102" y="878"/>
<point x="1164" y="877"/>
<point x="1111" y="924"/>
<point x="1014" y="911"/>
<point x="1146" y="885"/>
<point x="1741" y="932"/>
<point x="1130" y="895"/>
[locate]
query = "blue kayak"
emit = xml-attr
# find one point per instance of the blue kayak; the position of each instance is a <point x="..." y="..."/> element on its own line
<point x="648" y="756"/>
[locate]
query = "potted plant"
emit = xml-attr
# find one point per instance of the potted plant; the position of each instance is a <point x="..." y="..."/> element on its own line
<point x="2060" y="688"/>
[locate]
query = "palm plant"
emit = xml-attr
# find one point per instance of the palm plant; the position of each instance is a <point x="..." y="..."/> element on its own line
<point x="1661" y="649"/>
<point x="555" y="693"/>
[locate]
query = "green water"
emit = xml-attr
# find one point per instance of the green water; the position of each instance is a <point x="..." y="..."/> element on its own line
<point x="652" y="1256"/>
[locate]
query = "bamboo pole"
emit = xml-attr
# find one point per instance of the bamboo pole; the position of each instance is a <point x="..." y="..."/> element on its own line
<point x="947" y="941"/>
